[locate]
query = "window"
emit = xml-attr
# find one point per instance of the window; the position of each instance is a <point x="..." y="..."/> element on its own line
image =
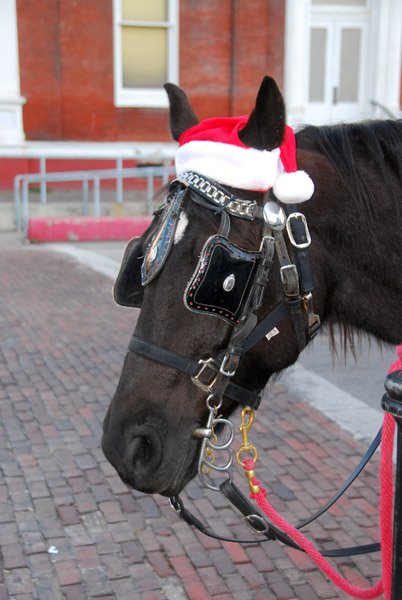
<point x="145" y="51"/>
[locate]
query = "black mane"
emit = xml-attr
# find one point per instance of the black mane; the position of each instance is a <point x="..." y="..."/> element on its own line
<point x="362" y="154"/>
<point x="367" y="157"/>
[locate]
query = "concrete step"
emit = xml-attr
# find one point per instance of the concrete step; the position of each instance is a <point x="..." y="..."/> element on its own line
<point x="86" y="229"/>
<point x="67" y="203"/>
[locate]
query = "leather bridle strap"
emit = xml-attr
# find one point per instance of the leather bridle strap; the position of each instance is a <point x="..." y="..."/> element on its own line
<point x="190" y="367"/>
<point x="266" y="325"/>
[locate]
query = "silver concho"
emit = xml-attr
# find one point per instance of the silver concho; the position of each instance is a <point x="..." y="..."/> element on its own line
<point x="274" y="215"/>
<point x="229" y="283"/>
<point x="153" y="254"/>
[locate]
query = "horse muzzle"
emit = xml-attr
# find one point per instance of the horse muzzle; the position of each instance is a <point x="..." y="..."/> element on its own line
<point x="148" y="459"/>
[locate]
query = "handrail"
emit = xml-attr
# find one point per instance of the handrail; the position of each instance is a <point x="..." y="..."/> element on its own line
<point x="96" y="176"/>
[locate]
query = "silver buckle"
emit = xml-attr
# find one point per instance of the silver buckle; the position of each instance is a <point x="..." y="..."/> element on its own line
<point x="205" y="387"/>
<point x="222" y="369"/>
<point x="312" y="318"/>
<point x="297" y="215"/>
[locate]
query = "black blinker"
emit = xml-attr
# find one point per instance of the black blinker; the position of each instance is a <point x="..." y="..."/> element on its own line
<point x="222" y="279"/>
<point x="128" y="290"/>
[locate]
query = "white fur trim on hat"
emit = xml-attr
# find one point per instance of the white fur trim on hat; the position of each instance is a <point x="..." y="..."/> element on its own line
<point x="236" y="166"/>
<point x="293" y="187"/>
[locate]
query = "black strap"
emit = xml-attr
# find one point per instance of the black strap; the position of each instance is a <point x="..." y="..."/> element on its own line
<point x="188" y="517"/>
<point x="270" y="531"/>
<point x="260" y="525"/>
<point x="190" y="367"/>
<point x="301" y="256"/>
<point x="237" y="498"/>
<point x="266" y="325"/>
<point x="369" y="453"/>
<point x="253" y="517"/>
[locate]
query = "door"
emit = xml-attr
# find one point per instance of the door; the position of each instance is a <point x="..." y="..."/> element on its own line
<point x="339" y="61"/>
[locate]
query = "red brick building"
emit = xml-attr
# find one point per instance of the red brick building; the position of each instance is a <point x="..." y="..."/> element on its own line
<point x="93" y="71"/>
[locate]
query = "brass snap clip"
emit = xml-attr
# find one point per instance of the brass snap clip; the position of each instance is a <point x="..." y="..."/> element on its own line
<point x="245" y="427"/>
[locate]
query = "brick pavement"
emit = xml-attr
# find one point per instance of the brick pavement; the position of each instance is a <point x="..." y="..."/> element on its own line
<point x="69" y="529"/>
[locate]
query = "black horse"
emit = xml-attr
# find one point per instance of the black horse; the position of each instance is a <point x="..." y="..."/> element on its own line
<point x="354" y="218"/>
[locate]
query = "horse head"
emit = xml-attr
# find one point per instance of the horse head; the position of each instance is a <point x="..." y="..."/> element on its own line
<point x="200" y="276"/>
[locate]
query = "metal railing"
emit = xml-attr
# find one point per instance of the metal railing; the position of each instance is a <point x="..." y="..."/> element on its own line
<point x="22" y="183"/>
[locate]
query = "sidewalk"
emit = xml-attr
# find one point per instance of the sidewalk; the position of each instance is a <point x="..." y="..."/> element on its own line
<point x="69" y="529"/>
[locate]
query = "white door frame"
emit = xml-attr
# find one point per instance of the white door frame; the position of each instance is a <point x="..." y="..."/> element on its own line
<point x="11" y="127"/>
<point x="385" y="56"/>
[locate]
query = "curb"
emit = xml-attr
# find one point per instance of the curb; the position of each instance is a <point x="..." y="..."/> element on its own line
<point x="85" y="229"/>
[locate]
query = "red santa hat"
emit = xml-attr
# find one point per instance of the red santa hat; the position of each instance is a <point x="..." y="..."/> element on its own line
<point x="213" y="149"/>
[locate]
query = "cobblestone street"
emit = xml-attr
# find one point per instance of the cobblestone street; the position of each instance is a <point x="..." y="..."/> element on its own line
<point x="70" y="529"/>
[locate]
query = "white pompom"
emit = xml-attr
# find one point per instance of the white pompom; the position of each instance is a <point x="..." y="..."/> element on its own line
<point x="293" y="187"/>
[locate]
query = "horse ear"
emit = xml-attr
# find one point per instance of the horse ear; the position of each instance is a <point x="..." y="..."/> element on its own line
<point x="182" y="116"/>
<point x="265" y="128"/>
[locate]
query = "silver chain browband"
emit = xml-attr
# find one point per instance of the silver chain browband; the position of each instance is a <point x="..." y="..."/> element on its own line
<point x="246" y="209"/>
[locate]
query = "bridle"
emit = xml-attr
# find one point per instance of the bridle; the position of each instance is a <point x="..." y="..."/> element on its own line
<point x="284" y="232"/>
<point x="296" y="276"/>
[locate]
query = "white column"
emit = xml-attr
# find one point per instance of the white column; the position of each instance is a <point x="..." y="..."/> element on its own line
<point x="297" y="39"/>
<point x="11" y="127"/>
<point x="388" y="64"/>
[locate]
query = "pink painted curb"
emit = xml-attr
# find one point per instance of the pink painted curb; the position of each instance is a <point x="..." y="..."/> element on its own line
<point x="85" y="229"/>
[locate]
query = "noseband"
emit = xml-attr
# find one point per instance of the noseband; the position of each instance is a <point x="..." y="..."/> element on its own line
<point x="230" y="282"/>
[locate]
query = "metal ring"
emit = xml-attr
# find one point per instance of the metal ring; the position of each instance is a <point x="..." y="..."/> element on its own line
<point x="207" y="480"/>
<point x="252" y="449"/>
<point x="222" y="446"/>
<point x="260" y="519"/>
<point x="213" y="408"/>
<point x="212" y="464"/>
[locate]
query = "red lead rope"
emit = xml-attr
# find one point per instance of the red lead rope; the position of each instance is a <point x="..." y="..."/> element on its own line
<point x="384" y="585"/>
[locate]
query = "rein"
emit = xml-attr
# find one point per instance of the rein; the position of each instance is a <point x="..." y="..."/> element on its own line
<point x="271" y="532"/>
<point x="213" y="375"/>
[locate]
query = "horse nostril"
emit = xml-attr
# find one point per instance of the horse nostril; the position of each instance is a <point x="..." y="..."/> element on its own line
<point x="140" y="449"/>
<point x="144" y="452"/>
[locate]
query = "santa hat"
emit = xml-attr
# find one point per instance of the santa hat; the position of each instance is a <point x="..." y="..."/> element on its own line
<point x="213" y="149"/>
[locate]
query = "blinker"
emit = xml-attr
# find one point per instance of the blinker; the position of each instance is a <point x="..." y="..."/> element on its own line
<point x="222" y="280"/>
<point x="158" y="250"/>
<point x="274" y="215"/>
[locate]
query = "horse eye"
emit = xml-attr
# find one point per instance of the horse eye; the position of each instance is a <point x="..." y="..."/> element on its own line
<point x="229" y="283"/>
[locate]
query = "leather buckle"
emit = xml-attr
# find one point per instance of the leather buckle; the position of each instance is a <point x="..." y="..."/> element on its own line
<point x="307" y="235"/>
<point x="290" y="279"/>
<point x="196" y="379"/>
<point x="314" y="321"/>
